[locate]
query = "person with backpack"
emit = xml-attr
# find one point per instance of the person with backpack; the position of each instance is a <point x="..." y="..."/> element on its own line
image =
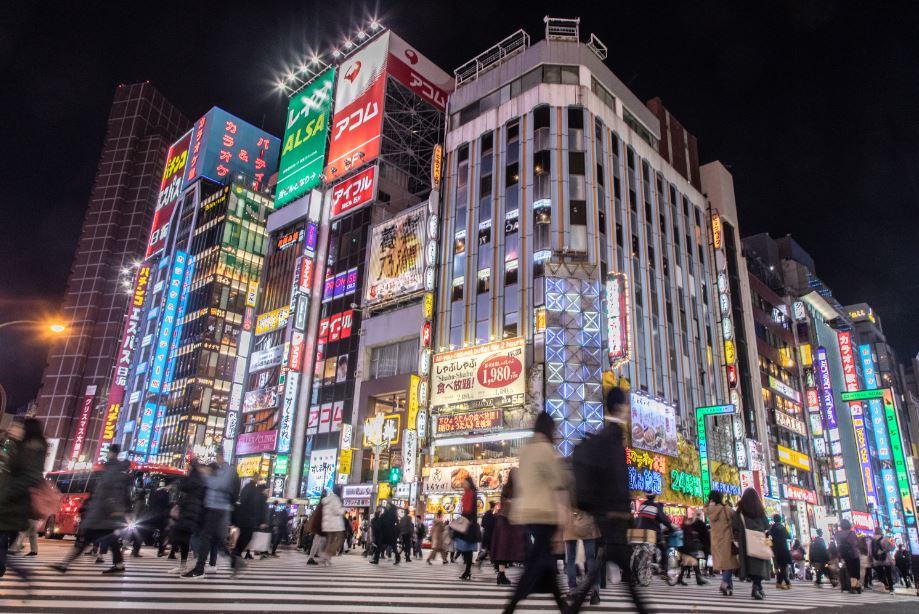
<point x="602" y="489"/>
<point x="881" y="559"/>
<point x="541" y="478"/>
<point x="21" y="472"/>
<point x="847" y="545"/>
<point x="819" y="557"/>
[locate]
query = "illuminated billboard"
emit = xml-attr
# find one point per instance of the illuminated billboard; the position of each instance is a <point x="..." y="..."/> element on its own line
<point x="170" y="190"/>
<point x="396" y="266"/>
<point x="224" y="145"/>
<point x="484" y="376"/>
<point x="418" y="73"/>
<point x="617" y="318"/>
<point x="354" y="192"/>
<point x="303" y="149"/>
<point x="358" y="119"/>
<point x="168" y="321"/>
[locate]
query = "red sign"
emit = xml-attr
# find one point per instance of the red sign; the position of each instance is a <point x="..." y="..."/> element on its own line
<point x="813" y="400"/>
<point x="295" y="360"/>
<point x="796" y="493"/>
<point x="426" y="335"/>
<point x="358" y="119"/>
<point x="861" y="520"/>
<point x="448" y="424"/>
<point x="306" y="274"/>
<point x="732" y="376"/>
<point x="323" y="336"/>
<point x="848" y="361"/>
<point x="418" y="74"/>
<point x="170" y="190"/>
<point x="86" y="409"/>
<point x="354" y="192"/>
<point x="335" y="327"/>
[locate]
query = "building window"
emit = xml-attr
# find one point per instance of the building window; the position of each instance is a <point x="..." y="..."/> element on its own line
<point x="394" y="359"/>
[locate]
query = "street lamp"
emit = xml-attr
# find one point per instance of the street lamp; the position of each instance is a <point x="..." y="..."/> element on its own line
<point x="54" y="327"/>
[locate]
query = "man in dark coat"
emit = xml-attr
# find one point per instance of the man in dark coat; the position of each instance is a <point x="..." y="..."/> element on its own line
<point x="780" y="551"/>
<point x="488" y="527"/>
<point x="157" y="516"/>
<point x="251" y="514"/>
<point x="19" y="473"/>
<point x="108" y="506"/>
<point x="819" y="556"/>
<point x="603" y="476"/>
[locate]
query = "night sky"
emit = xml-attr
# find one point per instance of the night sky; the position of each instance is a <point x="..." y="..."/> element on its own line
<point x="813" y="106"/>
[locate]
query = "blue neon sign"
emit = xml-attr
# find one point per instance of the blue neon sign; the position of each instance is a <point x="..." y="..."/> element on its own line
<point x="161" y="353"/>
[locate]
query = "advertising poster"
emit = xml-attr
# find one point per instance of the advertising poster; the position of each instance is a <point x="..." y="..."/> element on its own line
<point x="396" y="261"/>
<point x="653" y="424"/>
<point x="480" y="377"/>
<point x="468" y="422"/>
<point x="272" y="320"/>
<point x="265" y="359"/>
<point x="358" y="119"/>
<point x="303" y="146"/>
<point x="170" y="190"/>
<point x="321" y="474"/>
<point x="354" y="192"/>
<point x="259" y="399"/>
<point x="256" y="443"/>
<point x="419" y="74"/>
<point x="79" y="437"/>
<point x="488" y="477"/>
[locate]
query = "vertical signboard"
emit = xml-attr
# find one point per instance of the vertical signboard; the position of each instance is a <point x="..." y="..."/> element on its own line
<point x="170" y="191"/>
<point x="167" y="322"/>
<point x="899" y="466"/>
<point x="702" y="413"/>
<point x="617" y="319"/>
<point x="850" y="373"/>
<point x="145" y="430"/>
<point x="358" y="119"/>
<point x="79" y="436"/>
<point x="303" y="149"/>
<point x="123" y="359"/>
<point x="397" y="256"/>
<point x="825" y="387"/>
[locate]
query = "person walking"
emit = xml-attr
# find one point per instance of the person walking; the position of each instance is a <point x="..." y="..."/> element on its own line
<point x="581" y="527"/>
<point x="156" y="517"/>
<point x="903" y="562"/>
<point x="847" y="545"/>
<point x="692" y="550"/>
<point x="420" y="532"/>
<point x="602" y="489"/>
<point x="508" y="540"/>
<point x="542" y="479"/>
<point x="881" y="559"/>
<point x="798" y="556"/>
<point x="406" y="534"/>
<point x="333" y="525"/>
<point x="488" y="525"/>
<point x="724" y="550"/>
<point x="187" y="513"/>
<point x="438" y="529"/>
<point x="108" y="507"/>
<point x="19" y="474"/>
<point x="466" y="540"/>
<point x="251" y="514"/>
<point x="819" y="556"/>
<point x="780" y="552"/>
<point x="279" y="526"/>
<point x="747" y="524"/>
<point x="221" y="492"/>
<point x="864" y="560"/>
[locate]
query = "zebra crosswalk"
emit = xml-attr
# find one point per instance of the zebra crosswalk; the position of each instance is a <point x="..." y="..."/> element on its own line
<point x="351" y="584"/>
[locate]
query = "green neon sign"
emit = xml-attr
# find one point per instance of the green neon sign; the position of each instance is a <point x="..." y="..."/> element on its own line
<point x="701" y="414"/>
<point x="280" y="465"/>
<point x="862" y="395"/>
<point x="899" y="462"/>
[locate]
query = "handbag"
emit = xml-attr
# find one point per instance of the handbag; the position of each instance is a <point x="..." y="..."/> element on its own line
<point x="460" y="524"/>
<point x="44" y="500"/>
<point x="316" y="520"/>
<point x="757" y="546"/>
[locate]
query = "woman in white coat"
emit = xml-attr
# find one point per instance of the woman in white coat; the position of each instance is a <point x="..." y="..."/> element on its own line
<point x="333" y="525"/>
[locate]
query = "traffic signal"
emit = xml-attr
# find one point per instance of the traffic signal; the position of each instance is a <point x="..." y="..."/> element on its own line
<point x="395" y="475"/>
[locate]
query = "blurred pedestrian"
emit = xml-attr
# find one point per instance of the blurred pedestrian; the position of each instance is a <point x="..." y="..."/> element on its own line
<point x="108" y="507"/>
<point x="220" y="495"/>
<point x="488" y="525"/>
<point x="602" y="489"/>
<point x="508" y="542"/>
<point x="864" y="560"/>
<point x="542" y="480"/>
<point x="438" y="532"/>
<point x="406" y="534"/>
<point x="580" y="527"/>
<point x="780" y="552"/>
<point x="20" y="474"/>
<point x="156" y="517"/>
<point x="819" y="556"/>
<point x="797" y="559"/>
<point x="881" y="558"/>
<point x="333" y="525"/>
<point x="420" y="532"/>
<point x="187" y="513"/>
<point x="724" y="550"/>
<point x="467" y="539"/>
<point x="280" y="522"/>
<point x="903" y="562"/>
<point x="692" y="550"/>
<point x="251" y="514"/>
<point x="749" y="523"/>
<point x="847" y="545"/>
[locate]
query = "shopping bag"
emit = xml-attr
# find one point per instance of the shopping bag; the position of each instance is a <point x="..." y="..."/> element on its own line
<point x="756" y="542"/>
<point x="260" y="542"/>
<point x="460" y="524"/>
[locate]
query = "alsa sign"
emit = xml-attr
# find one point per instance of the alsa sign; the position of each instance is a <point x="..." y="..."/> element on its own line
<point x="354" y="192"/>
<point x="170" y="190"/>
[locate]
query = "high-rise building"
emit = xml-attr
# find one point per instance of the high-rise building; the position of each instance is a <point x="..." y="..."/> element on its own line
<point x="574" y="255"/>
<point x="186" y="330"/>
<point x="141" y="125"/>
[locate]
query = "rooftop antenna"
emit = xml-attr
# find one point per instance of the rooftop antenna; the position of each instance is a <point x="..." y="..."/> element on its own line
<point x="562" y="29"/>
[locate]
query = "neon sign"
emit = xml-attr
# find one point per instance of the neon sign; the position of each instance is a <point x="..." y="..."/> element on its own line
<point x="617" y="321"/>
